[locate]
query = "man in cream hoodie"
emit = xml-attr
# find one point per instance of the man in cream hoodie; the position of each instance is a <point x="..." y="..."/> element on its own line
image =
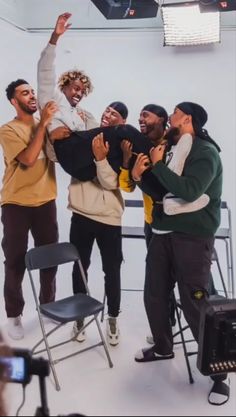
<point x="97" y="205"/>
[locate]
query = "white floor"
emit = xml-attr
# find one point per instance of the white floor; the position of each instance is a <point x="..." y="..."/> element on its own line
<point x="89" y="387"/>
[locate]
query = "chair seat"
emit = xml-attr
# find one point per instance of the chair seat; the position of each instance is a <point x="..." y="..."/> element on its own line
<point x="72" y="308"/>
<point x="222" y="233"/>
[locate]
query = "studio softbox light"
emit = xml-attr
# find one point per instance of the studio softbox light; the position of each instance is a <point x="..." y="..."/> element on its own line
<point x="127" y="9"/>
<point x="185" y="25"/>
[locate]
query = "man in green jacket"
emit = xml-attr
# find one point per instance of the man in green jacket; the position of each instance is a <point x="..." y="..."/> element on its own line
<point x="183" y="242"/>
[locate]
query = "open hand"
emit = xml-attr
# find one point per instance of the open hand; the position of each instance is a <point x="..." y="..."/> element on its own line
<point x="60" y="133"/>
<point x="62" y="24"/>
<point x="100" y="148"/>
<point x="47" y="113"/>
<point x="157" y="153"/>
<point x="142" y="163"/>
<point x="126" y="147"/>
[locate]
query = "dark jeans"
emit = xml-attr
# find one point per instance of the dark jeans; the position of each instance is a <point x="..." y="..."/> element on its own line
<point x="18" y="221"/>
<point x="171" y="258"/>
<point x="148" y="236"/>
<point x="148" y="233"/>
<point x="83" y="234"/>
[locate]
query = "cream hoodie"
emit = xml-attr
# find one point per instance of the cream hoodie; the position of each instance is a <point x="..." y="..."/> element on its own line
<point x="100" y="199"/>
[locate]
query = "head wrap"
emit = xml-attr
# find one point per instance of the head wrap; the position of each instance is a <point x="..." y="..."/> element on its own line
<point x="120" y="108"/>
<point x="199" y="119"/>
<point x="158" y="110"/>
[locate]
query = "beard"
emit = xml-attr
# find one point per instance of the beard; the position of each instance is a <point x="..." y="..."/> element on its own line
<point x="26" y="108"/>
<point x="172" y="136"/>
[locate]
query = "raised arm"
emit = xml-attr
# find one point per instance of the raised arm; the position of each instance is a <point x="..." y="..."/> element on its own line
<point x="47" y="88"/>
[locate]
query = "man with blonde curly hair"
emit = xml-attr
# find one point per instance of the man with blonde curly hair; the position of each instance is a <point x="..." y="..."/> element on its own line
<point x="72" y="86"/>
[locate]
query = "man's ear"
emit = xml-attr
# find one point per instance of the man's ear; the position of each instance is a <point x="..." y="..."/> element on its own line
<point x="188" y="119"/>
<point x="13" y="101"/>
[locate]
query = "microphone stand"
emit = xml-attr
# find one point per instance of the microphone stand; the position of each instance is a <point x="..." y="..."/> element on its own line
<point x="43" y="410"/>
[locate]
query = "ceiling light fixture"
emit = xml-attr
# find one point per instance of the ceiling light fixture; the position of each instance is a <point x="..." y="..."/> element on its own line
<point x="207" y="6"/>
<point x="127" y="9"/>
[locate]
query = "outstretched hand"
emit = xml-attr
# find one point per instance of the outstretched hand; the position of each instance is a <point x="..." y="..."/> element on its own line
<point x="61" y="27"/>
<point x="62" y="24"/>
<point x="100" y="148"/>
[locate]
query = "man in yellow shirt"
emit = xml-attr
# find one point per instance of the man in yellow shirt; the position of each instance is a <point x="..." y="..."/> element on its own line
<point x="27" y="198"/>
<point x="152" y="120"/>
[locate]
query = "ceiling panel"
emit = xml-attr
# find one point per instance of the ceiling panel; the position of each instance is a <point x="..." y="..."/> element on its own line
<point x="42" y="14"/>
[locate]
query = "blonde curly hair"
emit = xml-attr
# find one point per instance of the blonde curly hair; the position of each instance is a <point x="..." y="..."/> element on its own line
<point x="73" y="75"/>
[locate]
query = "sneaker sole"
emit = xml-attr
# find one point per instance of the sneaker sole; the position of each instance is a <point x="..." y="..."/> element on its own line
<point x="111" y="341"/>
<point x="78" y="338"/>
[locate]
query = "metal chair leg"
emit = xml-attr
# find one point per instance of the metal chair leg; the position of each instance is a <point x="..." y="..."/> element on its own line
<point x="104" y="304"/>
<point x="186" y="355"/>
<point x="104" y="343"/>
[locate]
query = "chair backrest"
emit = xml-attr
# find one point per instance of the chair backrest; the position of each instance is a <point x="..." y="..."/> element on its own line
<point x="225" y="229"/>
<point x="133" y="203"/>
<point x="136" y="232"/>
<point x="51" y="255"/>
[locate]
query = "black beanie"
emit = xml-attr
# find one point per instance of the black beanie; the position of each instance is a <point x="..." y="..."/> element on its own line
<point x="199" y="119"/>
<point x="198" y="113"/>
<point x="120" y="107"/>
<point x="158" y="110"/>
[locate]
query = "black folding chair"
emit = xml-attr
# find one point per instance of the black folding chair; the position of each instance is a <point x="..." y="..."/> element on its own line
<point x="65" y="310"/>
<point x="224" y="234"/>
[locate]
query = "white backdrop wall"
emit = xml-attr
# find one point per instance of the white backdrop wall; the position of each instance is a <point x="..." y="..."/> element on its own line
<point x="134" y="67"/>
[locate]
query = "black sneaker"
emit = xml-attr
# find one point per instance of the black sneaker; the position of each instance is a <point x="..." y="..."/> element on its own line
<point x="149" y="355"/>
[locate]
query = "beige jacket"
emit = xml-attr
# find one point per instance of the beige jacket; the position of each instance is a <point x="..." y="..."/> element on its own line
<point x="100" y="199"/>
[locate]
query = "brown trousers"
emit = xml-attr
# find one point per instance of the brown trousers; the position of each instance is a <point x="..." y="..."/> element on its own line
<point x="17" y="222"/>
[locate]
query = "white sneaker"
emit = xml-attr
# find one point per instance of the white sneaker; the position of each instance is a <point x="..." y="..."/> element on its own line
<point x="14" y="328"/>
<point x="80" y="337"/>
<point x="113" y="332"/>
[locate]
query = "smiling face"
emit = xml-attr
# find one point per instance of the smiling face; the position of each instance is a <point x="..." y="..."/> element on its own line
<point x="25" y="99"/>
<point x="111" y="117"/>
<point x="74" y="92"/>
<point x="151" y="125"/>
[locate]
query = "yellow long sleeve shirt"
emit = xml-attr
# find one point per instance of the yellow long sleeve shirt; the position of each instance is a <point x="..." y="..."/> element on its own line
<point x="128" y="185"/>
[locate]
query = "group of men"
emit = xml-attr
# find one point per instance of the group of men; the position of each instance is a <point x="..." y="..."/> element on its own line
<point x="183" y="165"/>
